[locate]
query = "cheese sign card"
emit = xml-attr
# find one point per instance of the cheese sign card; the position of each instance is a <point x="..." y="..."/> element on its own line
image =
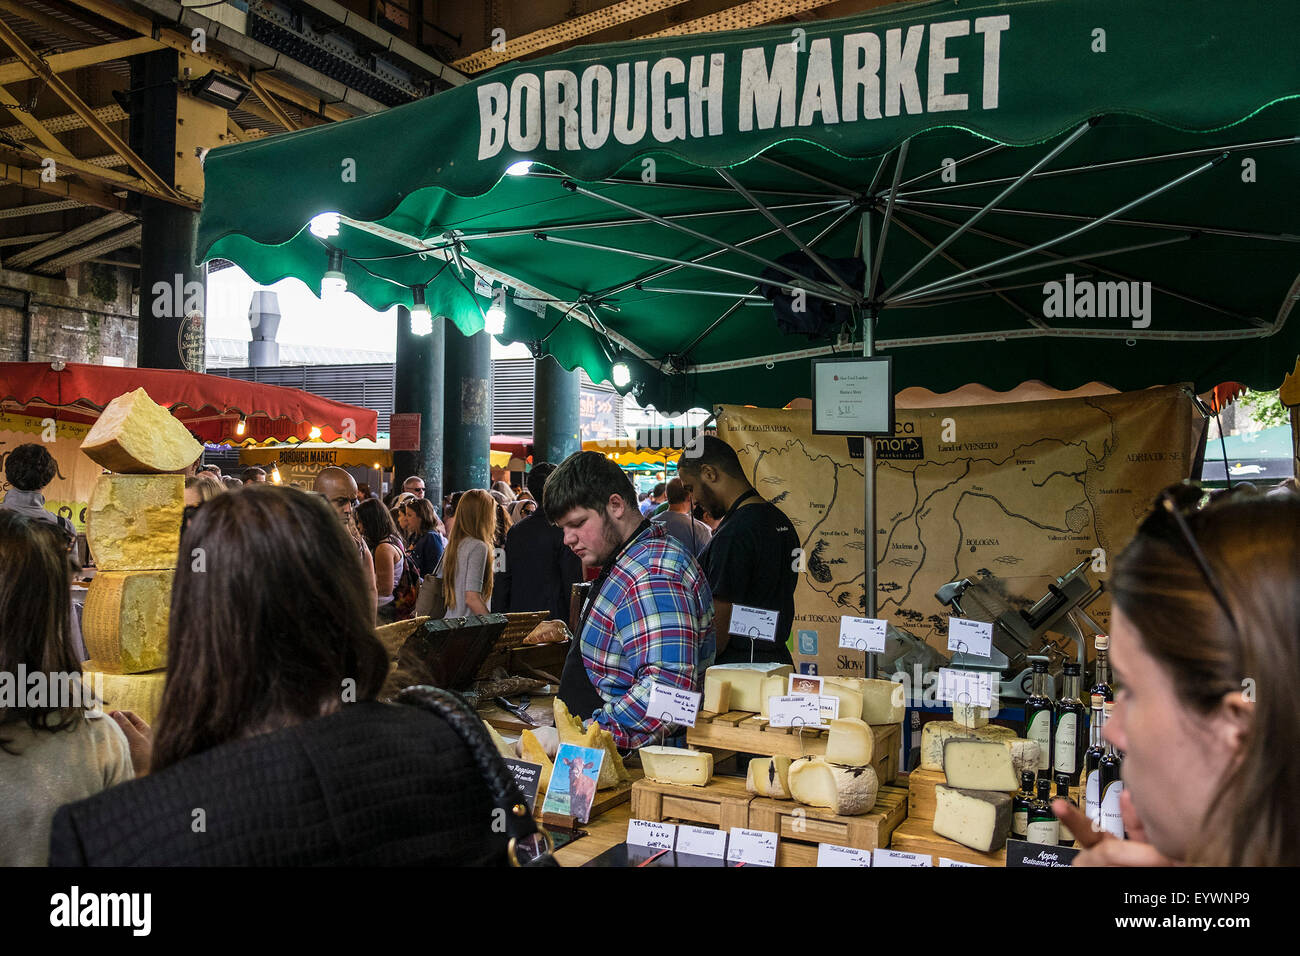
<point x="944" y="861"/>
<point x="528" y="776"/>
<point x="654" y="836"/>
<point x="828" y="854"/>
<point x="573" y="782"/>
<point x="899" y="858"/>
<point x="970" y="637"/>
<point x="1021" y="853"/>
<point x="966" y="687"/>
<point x="752" y="847"/>
<point x="702" y="841"/>
<point x="863" y="634"/>
<point x="673" y="705"/>
<point x="794" y="711"/>
<point x="828" y="708"/>
<point x="753" y="622"/>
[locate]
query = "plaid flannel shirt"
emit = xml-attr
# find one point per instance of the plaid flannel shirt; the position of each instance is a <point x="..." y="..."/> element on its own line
<point x="651" y="622"/>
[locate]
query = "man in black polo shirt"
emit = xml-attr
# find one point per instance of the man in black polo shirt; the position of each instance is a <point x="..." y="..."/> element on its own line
<point x="542" y="569"/>
<point x="751" y="558"/>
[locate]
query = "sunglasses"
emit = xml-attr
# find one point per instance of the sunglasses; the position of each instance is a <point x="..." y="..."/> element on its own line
<point x="1170" y="506"/>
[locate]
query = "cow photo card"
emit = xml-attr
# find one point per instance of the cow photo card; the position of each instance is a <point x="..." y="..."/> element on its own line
<point x="572" y="790"/>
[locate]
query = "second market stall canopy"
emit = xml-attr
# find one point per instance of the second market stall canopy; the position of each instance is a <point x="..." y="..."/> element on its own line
<point x="1064" y="190"/>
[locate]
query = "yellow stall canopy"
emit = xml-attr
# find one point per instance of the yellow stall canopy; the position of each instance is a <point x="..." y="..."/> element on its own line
<point x="625" y="453"/>
<point x="301" y="462"/>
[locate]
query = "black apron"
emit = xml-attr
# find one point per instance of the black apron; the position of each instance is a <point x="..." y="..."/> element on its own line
<point x="576" y="689"/>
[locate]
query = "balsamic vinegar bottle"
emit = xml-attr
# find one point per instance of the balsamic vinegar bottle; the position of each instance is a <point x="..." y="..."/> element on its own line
<point x="1063" y="790"/>
<point x="1020" y="806"/>
<point x="1110" y="787"/>
<point x="1039" y="722"/>
<point x="1092" y="762"/>
<point x="1043" y="826"/>
<point x="1067" y="744"/>
<point x="1103" y="669"/>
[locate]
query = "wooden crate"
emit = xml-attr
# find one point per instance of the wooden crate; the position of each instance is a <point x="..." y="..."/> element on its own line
<point x="801" y="828"/>
<point x="744" y="732"/>
<point x="722" y="803"/>
<point x="921" y="799"/>
<point x="916" y="836"/>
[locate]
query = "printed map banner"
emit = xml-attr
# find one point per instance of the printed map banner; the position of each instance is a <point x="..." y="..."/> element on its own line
<point x="69" y="493"/>
<point x="1019" y="492"/>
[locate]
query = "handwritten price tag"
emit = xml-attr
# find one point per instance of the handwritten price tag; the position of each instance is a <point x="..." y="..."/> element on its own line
<point x="654" y="836"/>
<point x="970" y="637"/>
<point x="944" y="861"/>
<point x="673" y="704"/>
<point x="753" y="622"/>
<point x="966" y="687"/>
<point x="702" y="841"/>
<point x="899" y="858"/>
<point x="796" y="711"/>
<point x="752" y="847"/>
<point x="828" y="854"/>
<point x="863" y="634"/>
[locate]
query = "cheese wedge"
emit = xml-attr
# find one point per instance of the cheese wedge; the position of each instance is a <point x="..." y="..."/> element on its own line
<point x="970" y="715"/>
<point x="689" y="768"/>
<point x="980" y="765"/>
<point x="503" y="748"/>
<point x="979" y="819"/>
<point x="882" y="702"/>
<point x="612" y="771"/>
<point x="133" y="522"/>
<point x="134" y="435"/>
<point x="569" y="727"/>
<point x="769" y="777"/>
<point x="774" y="685"/>
<point x="847" y="691"/>
<point x="139" y="693"/>
<point x="124" y="621"/>
<point x="532" y="750"/>
<point x="936" y="733"/>
<point x="746" y="682"/>
<point x="717" y="696"/>
<point x="850" y="742"/>
<point x="847" y="791"/>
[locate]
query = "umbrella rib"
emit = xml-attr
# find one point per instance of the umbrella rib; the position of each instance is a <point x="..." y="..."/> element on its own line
<point x="767" y="214"/>
<point x="965" y="159"/>
<point x="838" y="189"/>
<point x="1019" y="181"/>
<point x="975" y="294"/>
<point x="687" y="186"/>
<point x="828" y="291"/>
<point x="878" y="253"/>
<point x="1072" y="234"/>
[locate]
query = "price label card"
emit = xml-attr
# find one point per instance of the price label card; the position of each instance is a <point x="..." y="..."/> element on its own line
<point x="863" y="634"/>
<point x="944" y="861"/>
<point x="828" y="709"/>
<point x="753" y="622"/>
<point x="970" y="637"/>
<point x="528" y="776"/>
<point x="752" y="847"/>
<point x="966" y="687"/>
<point x="673" y="704"/>
<point x="828" y="854"/>
<point x="795" y="711"/>
<point x="654" y="836"/>
<point x="702" y="841"/>
<point x="899" y="858"/>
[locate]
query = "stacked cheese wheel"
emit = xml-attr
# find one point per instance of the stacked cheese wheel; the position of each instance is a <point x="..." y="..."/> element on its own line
<point x="133" y="528"/>
<point x="842" y="781"/>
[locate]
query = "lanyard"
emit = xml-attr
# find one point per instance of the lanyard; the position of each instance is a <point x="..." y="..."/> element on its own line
<point x="751" y="493"/>
<point x="604" y="573"/>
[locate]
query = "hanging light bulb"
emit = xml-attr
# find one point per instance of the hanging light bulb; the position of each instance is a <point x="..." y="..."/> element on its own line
<point x="520" y="168"/>
<point x="240" y="427"/>
<point x="275" y="475"/>
<point x="622" y="374"/>
<point x="333" y="283"/>
<point x="324" y="226"/>
<point x="496" y="314"/>
<point x="314" y="433"/>
<point x="421" y="317"/>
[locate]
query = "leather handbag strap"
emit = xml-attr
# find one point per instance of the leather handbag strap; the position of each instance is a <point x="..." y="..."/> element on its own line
<point x="502" y="788"/>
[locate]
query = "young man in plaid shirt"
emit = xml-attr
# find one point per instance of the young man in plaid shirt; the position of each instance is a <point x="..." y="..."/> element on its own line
<point x="649" y="616"/>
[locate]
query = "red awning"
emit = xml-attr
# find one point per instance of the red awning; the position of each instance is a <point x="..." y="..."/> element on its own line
<point x="519" y="447"/>
<point x="210" y="406"/>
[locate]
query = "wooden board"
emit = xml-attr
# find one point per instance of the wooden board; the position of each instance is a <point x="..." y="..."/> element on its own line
<point x="744" y="732"/>
<point x="915" y="836"/>
<point x="802" y="828"/>
<point x="605" y="831"/>
<point x="921" y="799"/>
<point x="722" y="803"/>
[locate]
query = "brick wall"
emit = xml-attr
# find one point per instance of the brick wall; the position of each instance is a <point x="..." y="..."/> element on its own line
<point x="77" y="319"/>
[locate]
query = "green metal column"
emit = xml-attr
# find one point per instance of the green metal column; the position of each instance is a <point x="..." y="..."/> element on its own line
<point x="418" y="387"/>
<point x="556" y="411"/>
<point x="467" y="409"/>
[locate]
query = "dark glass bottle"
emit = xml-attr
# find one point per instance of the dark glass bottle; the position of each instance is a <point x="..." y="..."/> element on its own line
<point x="1039" y="719"/>
<point x="1020" y="806"/>
<point x="1103" y="669"/>
<point x="1043" y="826"/>
<point x="1063" y="790"/>
<point x="1092" y="760"/>
<point x="1071" y="716"/>
<point x="1110" y="786"/>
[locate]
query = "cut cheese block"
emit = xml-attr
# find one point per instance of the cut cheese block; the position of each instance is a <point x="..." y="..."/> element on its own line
<point x="1024" y="755"/>
<point x="774" y="685"/>
<point x="845" y="690"/>
<point x="746" y="682"/>
<point x="690" y="768"/>
<point x="503" y="748"/>
<point x="124" y="621"/>
<point x="970" y="715"/>
<point x="717" y="696"/>
<point x="769" y="777"/>
<point x="882" y="702"/>
<point x="612" y="771"/>
<point x="534" y="751"/>
<point x="134" y="435"/>
<point x="979" y="819"/>
<point x="134" y="521"/>
<point x="847" y="791"/>
<point x="850" y="742"/>
<point x="937" y="732"/>
<point x="980" y="765"/>
<point x="569" y="727"/>
<point x="139" y="693"/>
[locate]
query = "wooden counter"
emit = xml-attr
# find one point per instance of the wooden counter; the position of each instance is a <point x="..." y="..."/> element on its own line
<point x="607" y="830"/>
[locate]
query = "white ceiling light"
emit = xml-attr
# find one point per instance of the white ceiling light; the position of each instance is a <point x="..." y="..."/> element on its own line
<point x="324" y="226"/>
<point x="520" y="168"/>
<point x="496" y="314"/>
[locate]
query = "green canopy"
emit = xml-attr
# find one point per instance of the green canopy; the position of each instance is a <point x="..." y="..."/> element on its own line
<point x="1013" y="173"/>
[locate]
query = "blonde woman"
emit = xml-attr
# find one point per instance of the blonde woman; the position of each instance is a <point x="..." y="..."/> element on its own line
<point x="467" y="562"/>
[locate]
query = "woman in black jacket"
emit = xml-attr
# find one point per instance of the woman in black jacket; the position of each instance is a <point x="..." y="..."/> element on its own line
<point x="270" y="747"/>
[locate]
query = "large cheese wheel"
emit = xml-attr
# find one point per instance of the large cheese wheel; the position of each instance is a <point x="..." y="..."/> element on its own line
<point x="124" y="621"/>
<point x="139" y="693"/>
<point x="847" y="791"/>
<point x="134" y="521"/>
<point x="135" y="435"/>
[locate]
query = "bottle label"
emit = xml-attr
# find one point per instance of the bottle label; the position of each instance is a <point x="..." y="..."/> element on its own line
<point x="1040" y="729"/>
<point x="1066" y="835"/>
<point x="1044" y="831"/>
<point x="1067" y="737"/>
<point x="1020" y="822"/>
<point x="1110" y="818"/>
<point x="1091" y="795"/>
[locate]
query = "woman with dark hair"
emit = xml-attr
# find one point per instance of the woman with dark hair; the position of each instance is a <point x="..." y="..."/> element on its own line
<point x="420" y="523"/>
<point x="269" y="721"/>
<point x="389" y="552"/>
<point x="1205" y="644"/>
<point x="50" y="752"/>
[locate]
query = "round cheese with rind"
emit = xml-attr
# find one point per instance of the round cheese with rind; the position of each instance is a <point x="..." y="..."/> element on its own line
<point x="846" y="791"/>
